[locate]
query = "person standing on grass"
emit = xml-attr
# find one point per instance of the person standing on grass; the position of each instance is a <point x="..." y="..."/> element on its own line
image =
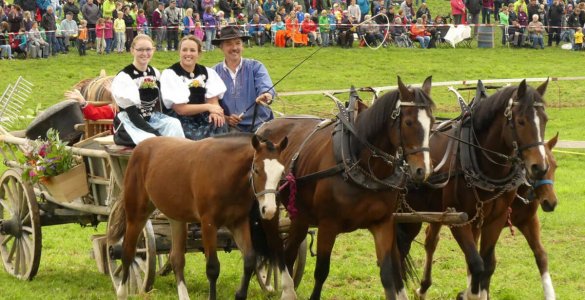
<point x="173" y="17"/>
<point x="157" y="25"/>
<point x="247" y="82"/>
<point x="120" y="30"/>
<point x="136" y="92"/>
<point x="457" y="11"/>
<point x="91" y="13"/>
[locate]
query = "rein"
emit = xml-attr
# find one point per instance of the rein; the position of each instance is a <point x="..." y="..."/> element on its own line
<point x="255" y="104"/>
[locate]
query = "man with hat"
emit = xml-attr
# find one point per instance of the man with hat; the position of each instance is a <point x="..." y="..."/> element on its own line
<point x="247" y="81"/>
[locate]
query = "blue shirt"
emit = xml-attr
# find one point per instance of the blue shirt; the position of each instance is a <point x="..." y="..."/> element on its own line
<point x="251" y="81"/>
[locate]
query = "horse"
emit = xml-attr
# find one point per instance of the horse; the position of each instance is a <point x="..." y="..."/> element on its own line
<point x="480" y="162"/>
<point x="522" y="215"/>
<point x="97" y="90"/>
<point x="354" y="183"/>
<point x="214" y="182"/>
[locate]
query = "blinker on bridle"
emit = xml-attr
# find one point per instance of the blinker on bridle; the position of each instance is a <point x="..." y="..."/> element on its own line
<point x="508" y="115"/>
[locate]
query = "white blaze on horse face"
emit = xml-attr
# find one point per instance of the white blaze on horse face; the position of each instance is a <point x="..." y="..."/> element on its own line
<point x="540" y="138"/>
<point x="183" y="293"/>
<point x="425" y="122"/>
<point x="273" y="170"/>
<point x="288" y="286"/>
<point x="549" y="291"/>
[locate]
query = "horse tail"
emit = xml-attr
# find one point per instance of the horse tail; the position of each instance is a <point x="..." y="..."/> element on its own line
<point x="117" y="221"/>
<point x="407" y="267"/>
<point x="258" y="233"/>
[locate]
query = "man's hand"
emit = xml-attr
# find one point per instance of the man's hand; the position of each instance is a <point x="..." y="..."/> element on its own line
<point x="264" y="99"/>
<point x="233" y="120"/>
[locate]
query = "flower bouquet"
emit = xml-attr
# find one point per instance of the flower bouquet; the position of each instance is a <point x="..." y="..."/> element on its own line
<point x="51" y="163"/>
<point x="148" y="83"/>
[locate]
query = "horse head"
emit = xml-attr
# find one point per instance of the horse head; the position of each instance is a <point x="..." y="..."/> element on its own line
<point x="267" y="170"/>
<point x="522" y="114"/>
<point x="543" y="188"/>
<point x="415" y="121"/>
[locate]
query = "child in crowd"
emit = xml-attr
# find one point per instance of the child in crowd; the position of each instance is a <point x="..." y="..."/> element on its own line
<point x="578" y="39"/>
<point x="324" y="28"/>
<point x="27" y="20"/>
<point x="100" y="32"/>
<point x="120" y="29"/>
<point x="141" y="22"/>
<point x="109" y="34"/>
<point x="22" y="41"/>
<point x="198" y="31"/>
<point x="82" y="37"/>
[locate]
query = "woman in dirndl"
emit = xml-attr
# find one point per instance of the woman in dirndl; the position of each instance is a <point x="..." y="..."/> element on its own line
<point x="136" y="92"/>
<point x="191" y="93"/>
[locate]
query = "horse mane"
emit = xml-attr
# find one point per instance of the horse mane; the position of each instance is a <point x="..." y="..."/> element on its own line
<point x="236" y="134"/>
<point x="373" y="119"/>
<point x="485" y="109"/>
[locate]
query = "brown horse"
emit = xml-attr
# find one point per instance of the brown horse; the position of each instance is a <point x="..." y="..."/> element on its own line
<point x="213" y="182"/>
<point x="337" y="200"/>
<point x="523" y="216"/>
<point x="480" y="163"/>
<point x="97" y="90"/>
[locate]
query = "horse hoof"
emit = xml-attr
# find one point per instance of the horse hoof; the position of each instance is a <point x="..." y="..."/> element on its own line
<point x="461" y="296"/>
<point x="420" y="296"/>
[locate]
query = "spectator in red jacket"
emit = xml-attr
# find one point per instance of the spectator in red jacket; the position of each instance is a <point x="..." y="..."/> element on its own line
<point x="457" y="11"/>
<point x="309" y="28"/>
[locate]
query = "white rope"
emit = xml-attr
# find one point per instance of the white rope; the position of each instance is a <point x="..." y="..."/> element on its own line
<point x="385" y="35"/>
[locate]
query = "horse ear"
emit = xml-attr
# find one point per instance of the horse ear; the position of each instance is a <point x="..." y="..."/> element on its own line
<point x="553" y="142"/>
<point x="255" y="142"/>
<point x="541" y="89"/>
<point x="282" y="145"/>
<point x="427" y="85"/>
<point x="403" y="90"/>
<point x="521" y="90"/>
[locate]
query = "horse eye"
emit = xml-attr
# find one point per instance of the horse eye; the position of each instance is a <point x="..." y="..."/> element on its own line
<point x="521" y="122"/>
<point x="408" y="123"/>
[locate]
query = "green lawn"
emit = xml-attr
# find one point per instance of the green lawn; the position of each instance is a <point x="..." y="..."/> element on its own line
<point x="67" y="271"/>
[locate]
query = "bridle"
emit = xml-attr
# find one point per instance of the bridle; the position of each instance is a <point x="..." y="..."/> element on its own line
<point x="261" y="193"/>
<point x="396" y="115"/>
<point x="510" y="122"/>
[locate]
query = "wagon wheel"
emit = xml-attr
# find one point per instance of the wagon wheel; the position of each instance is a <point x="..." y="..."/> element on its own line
<point x="268" y="274"/>
<point x="20" y="226"/>
<point x="163" y="265"/>
<point x="143" y="267"/>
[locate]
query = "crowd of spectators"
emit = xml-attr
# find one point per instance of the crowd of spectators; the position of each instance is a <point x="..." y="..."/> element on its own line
<point x="40" y="28"/>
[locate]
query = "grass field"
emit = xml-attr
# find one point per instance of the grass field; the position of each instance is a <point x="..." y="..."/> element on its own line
<point x="67" y="271"/>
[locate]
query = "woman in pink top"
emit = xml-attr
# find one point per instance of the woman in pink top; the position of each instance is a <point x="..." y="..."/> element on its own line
<point x="109" y="34"/>
<point x="100" y="42"/>
<point x="457" y="11"/>
<point x="198" y="32"/>
<point x="141" y="22"/>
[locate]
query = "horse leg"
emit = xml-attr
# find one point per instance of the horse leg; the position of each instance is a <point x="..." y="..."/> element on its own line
<point x="431" y="241"/>
<point x="242" y="237"/>
<point x="209" y="237"/>
<point x="387" y="253"/>
<point x="296" y="235"/>
<point x="177" y="256"/>
<point x="276" y="246"/>
<point x="326" y="235"/>
<point x="135" y="221"/>
<point x="490" y="233"/>
<point x="531" y="231"/>
<point x="465" y="240"/>
<point x="402" y="266"/>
